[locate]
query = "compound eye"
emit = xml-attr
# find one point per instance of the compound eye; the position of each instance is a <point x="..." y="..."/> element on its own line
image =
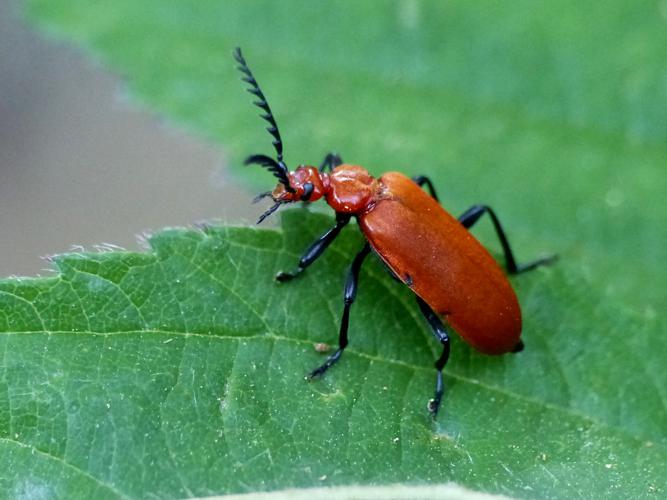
<point x="307" y="191"/>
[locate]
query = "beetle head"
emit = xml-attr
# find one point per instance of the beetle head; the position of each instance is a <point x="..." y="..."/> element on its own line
<point x="304" y="184"/>
<point x="307" y="184"/>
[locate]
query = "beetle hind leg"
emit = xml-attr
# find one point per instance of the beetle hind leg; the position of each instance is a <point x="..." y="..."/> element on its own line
<point x="472" y="215"/>
<point x="440" y="333"/>
<point x="351" y="284"/>
<point x="422" y="180"/>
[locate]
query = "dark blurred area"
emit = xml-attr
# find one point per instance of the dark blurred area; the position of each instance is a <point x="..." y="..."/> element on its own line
<point x="82" y="165"/>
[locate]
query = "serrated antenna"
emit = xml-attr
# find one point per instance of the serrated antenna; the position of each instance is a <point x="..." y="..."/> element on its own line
<point x="261" y="103"/>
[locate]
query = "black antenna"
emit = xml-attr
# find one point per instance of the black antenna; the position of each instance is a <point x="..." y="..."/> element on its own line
<point x="278" y="168"/>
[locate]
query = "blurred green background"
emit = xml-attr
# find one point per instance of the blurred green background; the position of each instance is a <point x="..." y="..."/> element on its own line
<point x="552" y="112"/>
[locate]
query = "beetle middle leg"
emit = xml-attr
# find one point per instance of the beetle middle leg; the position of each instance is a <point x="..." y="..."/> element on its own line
<point x="349" y="297"/>
<point x="440" y="334"/>
<point x="473" y="214"/>
<point x="316" y="248"/>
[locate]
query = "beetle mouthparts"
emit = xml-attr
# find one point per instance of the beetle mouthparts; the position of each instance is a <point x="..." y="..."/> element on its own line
<point x="261" y="196"/>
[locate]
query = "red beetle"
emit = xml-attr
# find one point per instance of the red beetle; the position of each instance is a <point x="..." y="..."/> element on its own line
<point x="423" y="246"/>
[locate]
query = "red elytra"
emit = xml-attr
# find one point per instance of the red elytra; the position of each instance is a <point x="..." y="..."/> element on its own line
<point x="446" y="265"/>
<point x="451" y="273"/>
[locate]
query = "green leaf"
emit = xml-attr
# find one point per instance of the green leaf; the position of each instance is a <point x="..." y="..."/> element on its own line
<point x="181" y="372"/>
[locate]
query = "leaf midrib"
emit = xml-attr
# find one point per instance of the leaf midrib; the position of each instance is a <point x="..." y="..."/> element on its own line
<point x="575" y="414"/>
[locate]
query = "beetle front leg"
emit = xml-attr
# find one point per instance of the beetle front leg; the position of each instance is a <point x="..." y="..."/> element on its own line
<point x="349" y="297"/>
<point x="316" y="249"/>
<point x="440" y="334"/>
<point x="473" y="214"/>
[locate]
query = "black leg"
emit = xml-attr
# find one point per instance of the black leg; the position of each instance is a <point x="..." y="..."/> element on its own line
<point x="440" y="334"/>
<point x="331" y="161"/>
<point x="349" y="296"/>
<point x="317" y="248"/>
<point x="421" y="180"/>
<point x="475" y="212"/>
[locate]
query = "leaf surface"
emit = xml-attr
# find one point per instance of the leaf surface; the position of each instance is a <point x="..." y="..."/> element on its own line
<point x="180" y="372"/>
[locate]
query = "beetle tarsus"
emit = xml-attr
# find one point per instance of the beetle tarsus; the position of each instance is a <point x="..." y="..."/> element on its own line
<point x="439" y="332"/>
<point x="519" y="347"/>
<point x="331" y="360"/>
<point x="434" y="404"/>
<point x="349" y="297"/>
<point x="529" y="266"/>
